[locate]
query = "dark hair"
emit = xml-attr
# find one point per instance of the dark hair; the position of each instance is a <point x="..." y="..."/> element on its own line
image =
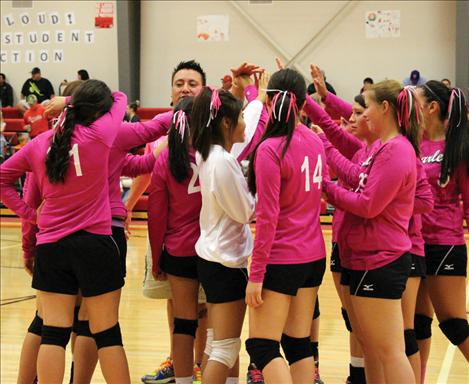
<point x="133" y="107"/>
<point x="293" y="87"/>
<point x="191" y="64"/>
<point x="368" y="80"/>
<point x="204" y="134"/>
<point x="90" y="100"/>
<point x="178" y="146"/>
<point x="3" y="76"/>
<point x="360" y="100"/>
<point x="71" y="87"/>
<point x="457" y="130"/>
<point x="83" y="73"/>
<point x="405" y="107"/>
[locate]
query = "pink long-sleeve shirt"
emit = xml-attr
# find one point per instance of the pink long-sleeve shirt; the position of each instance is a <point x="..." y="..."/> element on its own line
<point x="374" y="231"/>
<point x="337" y="107"/>
<point x="289" y="189"/>
<point x="32" y="197"/>
<point x="82" y="201"/>
<point x="173" y="210"/>
<point x="444" y="224"/>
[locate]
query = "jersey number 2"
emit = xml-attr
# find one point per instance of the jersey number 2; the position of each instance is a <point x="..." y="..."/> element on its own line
<point x="195" y="174"/>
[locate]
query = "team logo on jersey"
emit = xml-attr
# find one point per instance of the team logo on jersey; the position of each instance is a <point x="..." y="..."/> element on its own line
<point x="449" y="267"/>
<point x="437" y="157"/>
<point x="412" y="267"/>
<point x="332" y="262"/>
<point x="368" y="287"/>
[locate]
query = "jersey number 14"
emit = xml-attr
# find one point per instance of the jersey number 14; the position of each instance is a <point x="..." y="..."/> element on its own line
<point x="317" y="175"/>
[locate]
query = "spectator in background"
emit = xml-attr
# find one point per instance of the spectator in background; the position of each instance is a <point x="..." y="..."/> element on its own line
<point x="36" y="122"/>
<point x="6" y="92"/>
<point x="38" y="86"/>
<point x="414" y="79"/>
<point x="83" y="75"/>
<point x="367" y="83"/>
<point x="226" y="82"/>
<point x="131" y="113"/>
<point x="312" y="89"/>
<point x="446" y="82"/>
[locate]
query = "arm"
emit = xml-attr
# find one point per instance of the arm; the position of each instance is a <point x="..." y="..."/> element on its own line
<point x="345" y="169"/>
<point x="157" y="215"/>
<point x="231" y="191"/>
<point x="251" y="92"/>
<point x="423" y="192"/>
<point x="251" y="114"/>
<point x="267" y="169"/>
<point x="10" y="171"/>
<point x="345" y="142"/>
<point x="383" y="183"/>
<point x="134" y="134"/>
<point x="463" y="183"/>
<point x="135" y="165"/>
<point x="337" y="107"/>
<point x="32" y="197"/>
<point x="260" y="129"/>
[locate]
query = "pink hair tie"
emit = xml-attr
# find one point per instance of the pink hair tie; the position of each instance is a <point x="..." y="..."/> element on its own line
<point x="455" y="92"/>
<point x="180" y="123"/>
<point x="215" y="104"/>
<point x="291" y="106"/>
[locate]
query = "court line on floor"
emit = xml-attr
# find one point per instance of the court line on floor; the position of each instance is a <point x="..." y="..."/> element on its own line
<point x="449" y="355"/>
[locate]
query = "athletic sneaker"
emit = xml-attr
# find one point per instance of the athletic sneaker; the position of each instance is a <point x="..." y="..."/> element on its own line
<point x="162" y="375"/>
<point x="254" y="375"/>
<point x="197" y="375"/>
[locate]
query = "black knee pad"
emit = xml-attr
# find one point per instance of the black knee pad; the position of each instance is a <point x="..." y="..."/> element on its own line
<point x="317" y="313"/>
<point x="262" y="351"/>
<point x="36" y="326"/>
<point x="456" y="330"/>
<point x="109" y="338"/>
<point x="83" y="328"/>
<point x="296" y="348"/>
<point x="185" y="327"/>
<point x="75" y="319"/>
<point x="422" y="326"/>
<point x="411" y="346"/>
<point x="55" y="335"/>
<point x="348" y="325"/>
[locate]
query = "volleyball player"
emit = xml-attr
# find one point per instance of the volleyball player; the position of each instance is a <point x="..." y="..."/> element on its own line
<point x="289" y="255"/>
<point x="74" y="246"/>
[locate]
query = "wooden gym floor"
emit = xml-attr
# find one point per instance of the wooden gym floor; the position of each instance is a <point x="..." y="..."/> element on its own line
<point x="144" y="325"/>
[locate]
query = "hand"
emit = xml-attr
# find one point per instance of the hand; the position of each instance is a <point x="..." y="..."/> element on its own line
<point x="29" y="266"/>
<point x="160" y="147"/>
<point x="127" y="222"/>
<point x="245" y="69"/>
<point x="344" y="122"/>
<point x="56" y="106"/>
<point x="316" y="128"/>
<point x="242" y="81"/>
<point x="262" y="88"/>
<point x="254" y="294"/>
<point x="279" y="63"/>
<point x="159" y="276"/>
<point x="318" y="80"/>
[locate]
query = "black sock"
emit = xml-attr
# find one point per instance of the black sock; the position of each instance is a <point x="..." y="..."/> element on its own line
<point x="71" y="374"/>
<point x="315" y="347"/>
<point x="357" y="375"/>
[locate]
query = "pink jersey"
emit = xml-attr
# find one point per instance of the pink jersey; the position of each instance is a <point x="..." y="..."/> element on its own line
<point x="444" y="224"/>
<point x="337" y="107"/>
<point x="289" y="188"/>
<point x="173" y="210"/>
<point x="132" y="135"/>
<point x="82" y="201"/>
<point x="374" y="231"/>
<point x="32" y="197"/>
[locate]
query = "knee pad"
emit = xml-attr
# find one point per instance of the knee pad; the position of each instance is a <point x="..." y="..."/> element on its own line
<point x="109" y="338"/>
<point x="225" y="351"/>
<point x="185" y="327"/>
<point x="55" y="335"/>
<point x="208" y="343"/>
<point x="456" y="330"/>
<point x="262" y="351"/>
<point x="296" y="348"/>
<point x="411" y="346"/>
<point x="36" y="326"/>
<point x="348" y="324"/>
<point x="422" y="326"/>
<point x="82" y="328"/>
<point x="317" y="313"/>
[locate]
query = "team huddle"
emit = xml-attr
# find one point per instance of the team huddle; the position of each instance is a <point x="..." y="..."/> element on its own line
<point x="264" y="152"/>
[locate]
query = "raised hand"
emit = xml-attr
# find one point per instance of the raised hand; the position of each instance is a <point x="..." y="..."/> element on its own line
<point x="55" y="107"/>
<point x="279" y="63"/>
<point x="318" y="80"/>
<point x="245" y="69"/>
<point x="262" y="86"/>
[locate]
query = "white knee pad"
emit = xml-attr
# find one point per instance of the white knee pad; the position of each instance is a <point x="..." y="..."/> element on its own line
<point x="226" y="351"/>
<point x="208" y="343"/>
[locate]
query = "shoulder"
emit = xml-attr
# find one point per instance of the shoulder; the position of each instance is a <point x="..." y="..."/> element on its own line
<point x="398" y="150"/>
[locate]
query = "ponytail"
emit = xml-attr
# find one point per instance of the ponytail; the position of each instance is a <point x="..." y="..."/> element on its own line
<point x="287" y="90"/>
<point x="178" y="141"/>
<point x="409" y="117"/>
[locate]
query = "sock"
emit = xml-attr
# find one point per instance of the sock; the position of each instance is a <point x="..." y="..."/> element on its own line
<point x="184" y="380"/>
<point x="232" y="380"/>
<point x="71" y="374"/>
<point x="357" y="375"/>
<point x="315" y="346"/>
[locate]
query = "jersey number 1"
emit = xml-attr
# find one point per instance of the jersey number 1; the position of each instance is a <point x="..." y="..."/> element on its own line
<point x="76" y="159"/>
<point x="317" y="175"/>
